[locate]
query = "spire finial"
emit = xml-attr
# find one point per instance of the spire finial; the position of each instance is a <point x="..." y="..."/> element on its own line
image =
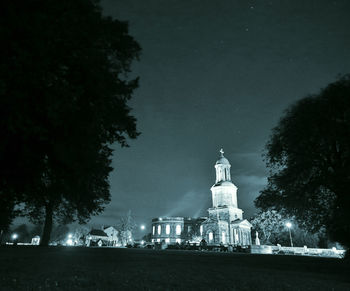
<point x="222" y="152"/>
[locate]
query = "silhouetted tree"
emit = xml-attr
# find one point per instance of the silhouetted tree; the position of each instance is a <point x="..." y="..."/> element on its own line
<point x="7" y="212"/>
<point x="309" y="158"/>
<point x="64" y="89"/>
<point x="59" y="233"/>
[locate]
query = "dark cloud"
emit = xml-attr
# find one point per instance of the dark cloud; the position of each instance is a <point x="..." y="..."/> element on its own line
<point x="217" y="74"/>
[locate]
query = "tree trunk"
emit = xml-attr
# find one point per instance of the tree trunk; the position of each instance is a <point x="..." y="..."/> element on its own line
<point x="47" y="226"/>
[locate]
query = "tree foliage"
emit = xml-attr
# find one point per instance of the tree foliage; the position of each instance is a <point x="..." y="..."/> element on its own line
<point x="125" y="228"/>
<point x="269" y="224"/>
<point x="309" y="159"/>
<point x="271" y="227"/>
<point x="64" y="89"/>
<point x="7" y="211"/>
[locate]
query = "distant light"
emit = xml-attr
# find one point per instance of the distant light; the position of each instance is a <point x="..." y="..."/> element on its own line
<point x="14" y="236"/>
<point x="69" y="242"/>
<point x="142" y="242"/>
<point x="70" y="235"/>
<point x="143" y="227"/>
<point x="288" y="224"/>
<point x="334" y="249"/>
<point x="160" y="219"/>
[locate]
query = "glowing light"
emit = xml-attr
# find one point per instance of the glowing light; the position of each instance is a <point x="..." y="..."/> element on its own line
<point x="69" y="242"/>
<point x="289" y="225"/>
<point x="167" y="240"/>
<point x="160" y="219"/>
<point x="159" y="229"/>
<point x="201" y="229"/>
<point x="143" y="227"/>
<point x="167" y="229"/>
<point x="178" y="229"/>
<point x="14" y="236"/>
<point x="211" y="236"/>
<point x="70" y="235"/>
<point x="178" y="240"/>
<point x="142" y="242"/>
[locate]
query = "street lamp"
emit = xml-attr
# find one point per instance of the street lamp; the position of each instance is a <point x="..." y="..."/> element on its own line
<point x="289" y="225"/>
<point x="14" y="236"/>
<point x="69" y="241"/>
<point x="142" y="227"/>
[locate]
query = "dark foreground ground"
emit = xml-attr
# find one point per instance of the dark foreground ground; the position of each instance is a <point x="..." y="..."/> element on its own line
<point x="69" y="268"/>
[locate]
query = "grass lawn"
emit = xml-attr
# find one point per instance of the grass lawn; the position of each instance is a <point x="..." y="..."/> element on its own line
<point x="73" y="268"/>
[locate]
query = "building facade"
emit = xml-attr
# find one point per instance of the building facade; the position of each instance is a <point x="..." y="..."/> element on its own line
<point x="224" y="224"/>
<point x="173" y="230"/>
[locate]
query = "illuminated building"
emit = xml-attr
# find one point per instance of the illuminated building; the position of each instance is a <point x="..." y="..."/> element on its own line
<point x="175" y="229"/>
<point x="225" y="223"/>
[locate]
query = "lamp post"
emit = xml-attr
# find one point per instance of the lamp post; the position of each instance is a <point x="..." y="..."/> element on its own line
<point x="289" y="225"/>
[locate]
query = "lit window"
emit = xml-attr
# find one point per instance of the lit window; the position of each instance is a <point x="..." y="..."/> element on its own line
<point x="167" y="229"/>
<point x="211" y="236"/>
<point x="223" y="237"/>
<point x="178" y="240"/>
<point x="178" y="229"/>
<point x="159" y="229"/>
<point x="201" y="230"/>
<point x="152" y="239"/>
<point x="167" y="240"/>
<point x="153" y="229"/>
<point x="158" y="239"/>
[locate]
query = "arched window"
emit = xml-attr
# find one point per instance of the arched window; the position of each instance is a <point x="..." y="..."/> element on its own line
<point x="223" y="237"/>
<point x="167" y="229"/>
<point x="153" y="229"/>
<point x="159" y="229"/>
<point x="178" y="229"/>
<point x="211" y="236"/>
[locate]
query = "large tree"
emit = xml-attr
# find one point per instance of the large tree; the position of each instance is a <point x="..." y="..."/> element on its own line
<point x="64" y="89"/>
<point x="309" y="159"/>
<point x="271" y="227"/>
<point x="7" y="212"/>
<point x="126" y="227"/>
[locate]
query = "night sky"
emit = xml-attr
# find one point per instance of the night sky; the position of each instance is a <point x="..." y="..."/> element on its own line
<point x="216" y="74"/>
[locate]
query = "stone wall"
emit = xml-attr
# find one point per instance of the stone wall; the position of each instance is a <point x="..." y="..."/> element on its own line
<point x="305" y="251"/>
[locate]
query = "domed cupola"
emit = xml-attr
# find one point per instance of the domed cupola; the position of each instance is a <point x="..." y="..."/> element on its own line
<point x="222" y="167"/>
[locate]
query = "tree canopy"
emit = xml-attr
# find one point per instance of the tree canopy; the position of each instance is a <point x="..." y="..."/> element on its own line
<point x="272" y="229"/>
<point x="64" y="89"/>
<point x="309" y="159"/>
